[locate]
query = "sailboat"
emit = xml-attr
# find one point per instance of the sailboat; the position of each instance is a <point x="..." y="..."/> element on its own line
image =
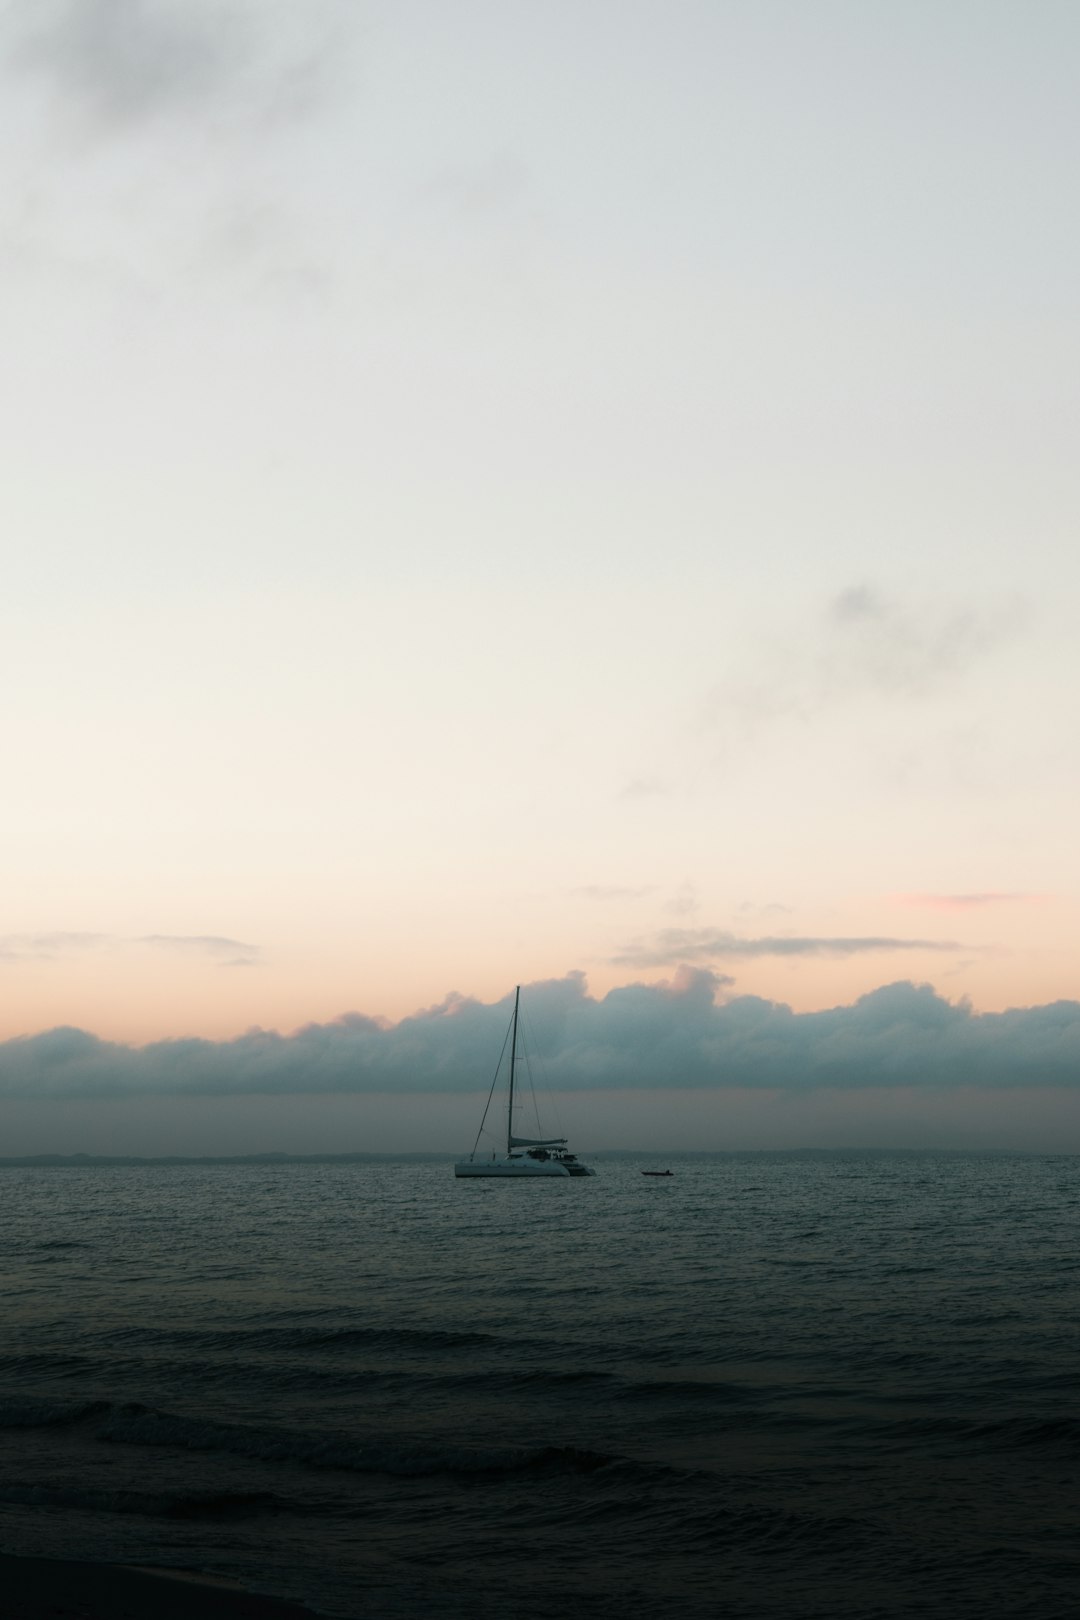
<point x="526" y="1156"/>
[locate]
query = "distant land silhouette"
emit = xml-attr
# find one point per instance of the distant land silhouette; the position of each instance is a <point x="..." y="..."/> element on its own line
<point x="97" y="1159"/>
<point x="104" y="1160"/>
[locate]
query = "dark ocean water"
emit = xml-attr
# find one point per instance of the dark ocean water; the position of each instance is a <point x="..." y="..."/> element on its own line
<point x="774" y="1384"/>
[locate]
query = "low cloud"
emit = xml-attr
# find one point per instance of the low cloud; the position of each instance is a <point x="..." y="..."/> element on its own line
<point x="674" y="945"/>
<point x="677" y="1035"/>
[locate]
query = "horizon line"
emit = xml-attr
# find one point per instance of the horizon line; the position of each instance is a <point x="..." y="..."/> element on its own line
<point x="61" y="1161"/>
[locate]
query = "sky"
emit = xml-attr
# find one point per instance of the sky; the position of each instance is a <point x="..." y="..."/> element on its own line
<point x="580" y="495"/>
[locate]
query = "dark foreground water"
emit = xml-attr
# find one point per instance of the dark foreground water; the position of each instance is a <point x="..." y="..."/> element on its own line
<point x="775" y="1384"/>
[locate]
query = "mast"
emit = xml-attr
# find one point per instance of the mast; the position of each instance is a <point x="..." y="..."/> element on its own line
<point x="513" y="1058"/>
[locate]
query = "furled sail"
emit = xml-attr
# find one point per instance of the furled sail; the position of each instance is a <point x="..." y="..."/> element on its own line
<point x="537" y="1141"/>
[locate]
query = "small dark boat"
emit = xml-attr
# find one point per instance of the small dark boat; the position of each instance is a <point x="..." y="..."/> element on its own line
<point x="658" y="1172"/>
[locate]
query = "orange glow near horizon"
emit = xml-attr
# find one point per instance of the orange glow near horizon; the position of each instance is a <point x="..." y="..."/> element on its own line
<point x="143" y="1000"/>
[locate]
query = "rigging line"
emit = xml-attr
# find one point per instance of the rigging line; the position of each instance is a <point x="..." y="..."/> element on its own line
<point x="491" y="1093"/>
<point x="525" y="1033"/>
<point x="536" y="1107"/>
<point x="532" y="1090"/>
<point x="545" y="1083"/>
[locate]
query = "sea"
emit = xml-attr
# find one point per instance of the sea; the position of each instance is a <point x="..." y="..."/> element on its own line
<point x="770" y="1384"/>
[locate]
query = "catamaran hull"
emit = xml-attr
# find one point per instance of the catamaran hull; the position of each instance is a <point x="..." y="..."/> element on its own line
<point x="519" y="1169"/>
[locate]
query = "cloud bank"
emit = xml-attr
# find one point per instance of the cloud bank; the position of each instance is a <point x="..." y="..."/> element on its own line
<point x="674" y="1035"/>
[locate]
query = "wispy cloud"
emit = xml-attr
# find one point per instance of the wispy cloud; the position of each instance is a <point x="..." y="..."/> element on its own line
<point x="126" y="60"/>
<point x="498" y="185"/>
<point x="674" y="945"/>
<point x="675" y="1034"/>
<point x="153" y="117"/>
<point x="966" y="902"/>
<point x="644" y="787"/>
<point x="684" y="902"/>
<point x="230" y="952"/>
<point x="862" y="643"/>
<point x="47" y="946"/>
<point x="609" y="891"/>
<point x="120" y="64"/>
<point x="899" y="649"/>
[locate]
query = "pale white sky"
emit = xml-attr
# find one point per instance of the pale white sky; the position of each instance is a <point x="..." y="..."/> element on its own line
<point x="493" y="489"/>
